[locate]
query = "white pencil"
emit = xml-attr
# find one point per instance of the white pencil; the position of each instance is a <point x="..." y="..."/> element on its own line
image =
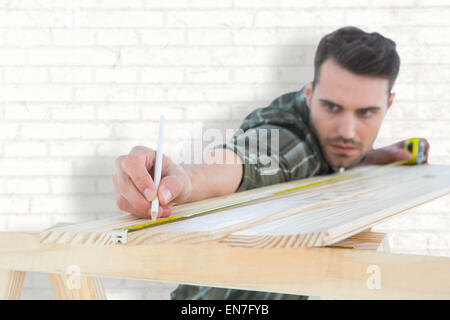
<point x="158" y="168"/>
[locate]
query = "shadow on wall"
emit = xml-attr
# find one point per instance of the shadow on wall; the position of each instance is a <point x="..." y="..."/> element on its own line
<point x="292" y="68"/>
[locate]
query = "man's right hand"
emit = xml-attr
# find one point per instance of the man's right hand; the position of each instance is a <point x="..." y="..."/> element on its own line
<point x="134" y="186"/>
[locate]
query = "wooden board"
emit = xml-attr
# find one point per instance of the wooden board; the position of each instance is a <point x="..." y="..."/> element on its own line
<point x="330" y="272"/>
<point x="320" y="215"/>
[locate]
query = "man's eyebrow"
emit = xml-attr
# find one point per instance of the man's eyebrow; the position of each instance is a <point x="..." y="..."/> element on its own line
<point x="326" y="101"/>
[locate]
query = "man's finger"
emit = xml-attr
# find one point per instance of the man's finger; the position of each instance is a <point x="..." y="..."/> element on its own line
<point x="129" y="191"/>
<point x="135" y="167"/>
<point x="402" y="154"/>
<point x="169" y="188"/>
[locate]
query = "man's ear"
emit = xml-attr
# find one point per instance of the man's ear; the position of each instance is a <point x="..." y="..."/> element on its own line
<point x="308" y="94"/>
<point x="391" y="99"/>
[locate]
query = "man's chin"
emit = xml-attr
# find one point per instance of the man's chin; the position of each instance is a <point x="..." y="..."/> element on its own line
<point x="345" y="163"/>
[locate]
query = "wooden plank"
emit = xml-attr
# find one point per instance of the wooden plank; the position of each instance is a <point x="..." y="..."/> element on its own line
<point x="366" y="240"/>
<point x="330" y="272"/>
<point x="321" y="215"/>
<point x="69" y="287"/>
<point x="11" y="282"/>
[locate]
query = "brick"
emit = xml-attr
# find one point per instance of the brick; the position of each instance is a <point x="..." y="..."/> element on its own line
<point x="207" y="75"/>
<point x="26" y="111"/>
<point x="8" y="130"/>
<point x="210" y="4"/>
<point x="114" y="148"/>
<point x="262" y="56"/>
<point x="35" y="93"/>
<point x="432" y="3"/>
<point x="25" y="75"/>
<point x="29" y="223"/>
<point x="165" y="4"/>
<point x="50" y="4"/>
<point x="399" y="17"/>
<point x="203" y="112"/>
<point x="25" y="149"/>
<point x="408" y="240"/>
<point x="433" y="222"/>
<point x="122" y="19"/>
<point x="10" y="204"/>
<point x="164" y="56"/>
<point x="297" y="74"/>
<point x="76" y="203"/>
<point x="210" y="37"/>
<point x="256" y="37"/>
<point x="118" y="112"/>
<point x="398" y="3"/>
<point x="105" y="185"/>
<point x="12" y="57"/>
<point x="27" y="37"/>
<point x="74" y="112"/>
<point x="424" y="54"/>
<point x="346" y="3"/>
<point x="97" y="167"/>
<point x="253" y="4"/>
<point x="27" y="186"/>
<point x="211" y="93"/>
<point x="116" y="37"/>
<point x="299" y="18"/>
<point x="114" y="4"/>
<point x="73" y="185"/>
<point x="116" y="75"/>
<point x="163" y="37"/>
<point x="63" y="130"/>
<point x="33" y="167"/>
<point x="119" y="93"/>
<point x="71" y="74"/>
<point x="73" y="37"/>
<point x="73" y="56"/>
<point x="136" y="129"/>
<point x="210" y="18"/>
<point x="256" y="75"/>
<point x="158" y="74"/>
<point x="72" y="148"/>
<point x="174" y="112"/>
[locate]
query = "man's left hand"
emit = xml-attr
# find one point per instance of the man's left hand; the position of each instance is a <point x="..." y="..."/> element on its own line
<point x="392" y="153"/>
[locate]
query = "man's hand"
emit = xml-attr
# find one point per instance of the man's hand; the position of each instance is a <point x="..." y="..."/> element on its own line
<point x="134" y="186"/>
<point x="392" y="153"/>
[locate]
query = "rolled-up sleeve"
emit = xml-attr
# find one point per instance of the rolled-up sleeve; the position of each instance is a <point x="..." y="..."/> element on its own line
<point x="278" y="157"/>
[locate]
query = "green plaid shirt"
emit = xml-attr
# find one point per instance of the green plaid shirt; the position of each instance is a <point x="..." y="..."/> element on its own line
<point x="299" y="156"/>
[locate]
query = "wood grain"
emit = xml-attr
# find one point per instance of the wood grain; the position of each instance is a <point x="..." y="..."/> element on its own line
<point x="321" y="215"/>
<point x="11" y="282"/>
<point x="330" y="272"/>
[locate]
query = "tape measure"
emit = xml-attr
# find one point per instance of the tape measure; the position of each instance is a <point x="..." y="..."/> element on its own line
<point x="416" y="146"/>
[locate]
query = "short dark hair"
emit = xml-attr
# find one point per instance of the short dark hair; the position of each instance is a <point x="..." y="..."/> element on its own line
<point x="359" y="52"/>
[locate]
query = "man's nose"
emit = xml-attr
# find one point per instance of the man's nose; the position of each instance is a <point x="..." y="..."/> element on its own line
<point x="347" y="126"/>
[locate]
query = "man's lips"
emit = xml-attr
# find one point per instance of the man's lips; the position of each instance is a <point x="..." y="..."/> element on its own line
<point x="343" y="148"/>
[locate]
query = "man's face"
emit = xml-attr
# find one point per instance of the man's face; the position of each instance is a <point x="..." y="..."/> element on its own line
<point x="346" y="112"/>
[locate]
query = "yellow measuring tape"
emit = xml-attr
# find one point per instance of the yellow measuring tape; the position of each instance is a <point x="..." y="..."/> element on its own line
<point x="120" y="234"/>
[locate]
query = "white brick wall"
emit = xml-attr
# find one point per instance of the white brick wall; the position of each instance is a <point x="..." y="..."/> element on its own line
<point x="82" y="82"/>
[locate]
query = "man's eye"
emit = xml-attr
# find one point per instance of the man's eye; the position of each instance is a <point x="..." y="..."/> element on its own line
<point x="332" y="107"/>
<point x="366" y="112"/>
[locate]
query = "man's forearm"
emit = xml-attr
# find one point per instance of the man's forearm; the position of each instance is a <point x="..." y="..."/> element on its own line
<point x="218" y="175"/>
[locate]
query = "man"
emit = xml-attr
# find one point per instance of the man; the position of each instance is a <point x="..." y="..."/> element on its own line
<point x="329" y="124"/>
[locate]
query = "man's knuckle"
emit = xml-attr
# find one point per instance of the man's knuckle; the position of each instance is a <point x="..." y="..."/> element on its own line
<point x="129" y="163"/>
<point x="121" y="203"/>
